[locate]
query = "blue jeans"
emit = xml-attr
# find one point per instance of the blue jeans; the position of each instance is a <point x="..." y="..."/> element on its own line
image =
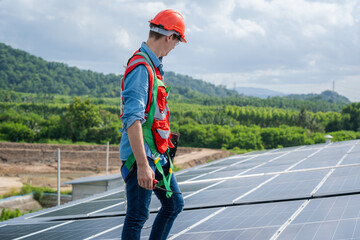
<point x="138" y="201"/>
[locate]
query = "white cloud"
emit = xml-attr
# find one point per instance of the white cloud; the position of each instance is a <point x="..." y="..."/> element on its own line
<point x="313" y="30"/>
<point x="243" y="28"/>
<point x="193" y="29"/>
<point x="312" y="60"/>
<point x="302" y="11"/>
<point x="223" y="20"/>
<point x="249" y="77"/>
<point x="283" y="44"/>
<point x="122" y="38"/>
<point x="250" y="26"/>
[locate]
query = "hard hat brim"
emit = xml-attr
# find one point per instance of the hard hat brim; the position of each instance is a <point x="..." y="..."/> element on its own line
<point x="166" y="32"/>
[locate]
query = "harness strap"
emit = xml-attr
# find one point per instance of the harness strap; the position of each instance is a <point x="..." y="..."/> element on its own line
<point x="166" y="179"/>
<point x="137" y="59"/>
<point x="128" y="166"/>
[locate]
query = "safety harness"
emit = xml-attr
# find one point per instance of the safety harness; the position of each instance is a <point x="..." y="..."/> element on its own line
<point x="156" y="129"/>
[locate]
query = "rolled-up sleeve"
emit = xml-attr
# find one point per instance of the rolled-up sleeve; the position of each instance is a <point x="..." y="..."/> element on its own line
<point x="135" y="96"/>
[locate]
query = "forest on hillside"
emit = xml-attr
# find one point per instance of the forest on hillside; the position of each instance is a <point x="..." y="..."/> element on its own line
<point x="220" y="126"/>
<point x="26" y="73"/>
<point x="23" y="72"/>
<point x="48" y="102"/>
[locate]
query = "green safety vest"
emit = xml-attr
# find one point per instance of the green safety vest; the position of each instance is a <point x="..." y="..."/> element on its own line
<point x="156" y="131"/>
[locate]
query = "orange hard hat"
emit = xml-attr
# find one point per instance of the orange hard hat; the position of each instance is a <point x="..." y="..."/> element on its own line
<point x="170" y="20"/>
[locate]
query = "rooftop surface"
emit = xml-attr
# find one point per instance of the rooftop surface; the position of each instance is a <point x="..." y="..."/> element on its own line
<point x="304" y="192"/>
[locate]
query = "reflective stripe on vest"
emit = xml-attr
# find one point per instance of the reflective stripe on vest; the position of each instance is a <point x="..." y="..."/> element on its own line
<point x="159" y="124"/>
<point x="163" y="133"/>
<point x="133" y="62"/>
<point x="161" y="115"/>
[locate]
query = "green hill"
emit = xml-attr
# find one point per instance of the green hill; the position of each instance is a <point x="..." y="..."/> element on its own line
<point x="36" y="106"/>
<point x="26" y="73"/>
<point x="23" y="72"/>
<point x="327" y="96"/>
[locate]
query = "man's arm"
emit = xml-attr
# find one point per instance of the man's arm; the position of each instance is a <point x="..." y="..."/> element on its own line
<point x="145" y="174"/>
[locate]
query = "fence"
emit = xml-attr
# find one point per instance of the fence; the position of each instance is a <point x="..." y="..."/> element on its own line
<point x="36" y="164"/>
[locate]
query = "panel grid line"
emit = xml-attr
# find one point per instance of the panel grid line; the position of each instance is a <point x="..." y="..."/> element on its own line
<point x="302" y="207"/>
<point x="290" y="193"/>
<point x="272" y="173"/>
<point x="287" y="223"/>
<point x="71" y="205"/>
<point x="44" y="230"/>
<point x="197" y="224"/>
<point x="333" y="169"/>
<point x="106" y="208"/>
<point x="106" y="231"/>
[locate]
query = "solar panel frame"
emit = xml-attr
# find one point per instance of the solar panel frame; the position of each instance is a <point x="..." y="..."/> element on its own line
<point x="18" y="230"/>
<point x="320" y="182"/>
<point x="327" y="218"/>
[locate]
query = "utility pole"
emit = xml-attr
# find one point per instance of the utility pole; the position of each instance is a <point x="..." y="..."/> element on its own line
<point x="58" y="177"/>
<point x="333" y="89"/>
<point x="107" y="158"/>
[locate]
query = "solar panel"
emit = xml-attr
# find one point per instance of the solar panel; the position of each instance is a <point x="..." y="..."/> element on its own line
<point x="86" y="208"/>
<point x="327" y="218"/>
<point x="342" y="180"/>
<point x="238" y="222"/>
<point x="15" y="231"/>
<point x="306" y="192"/>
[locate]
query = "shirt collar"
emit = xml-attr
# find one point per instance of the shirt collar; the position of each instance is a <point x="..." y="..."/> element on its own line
<point x="156" y="61"/>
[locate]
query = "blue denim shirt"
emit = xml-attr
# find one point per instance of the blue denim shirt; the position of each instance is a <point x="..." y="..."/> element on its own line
<point x="135" y="97"/>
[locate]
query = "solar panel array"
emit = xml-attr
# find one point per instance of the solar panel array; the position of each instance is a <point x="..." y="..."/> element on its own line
<point x="306" y="192"/>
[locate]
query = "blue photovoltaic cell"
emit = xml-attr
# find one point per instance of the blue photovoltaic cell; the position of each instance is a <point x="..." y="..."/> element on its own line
<point x="352" y="158"/>
<point x="287" y="186"/>
<point x="184" y="220"/>
<point x="280" y="164"/>
<point x="266" y="198"/>
<point x="191" y="174"/>
<point x="342" y="180"/>
<point x="115" y="196"/>
<point x="258" y="221"/>
<point x="256" y="159"/>
<point x="79" y="229"/>
<point x="324" y="158"/>
<point x="15" y="231"/>
<point x="293" y="157"/>
<point x="223" y="193"/>
<point x="79" y="209"/>
<point x="290" y="149"/>
<point x="230" y="171"/>
<point x="329" y="218"/>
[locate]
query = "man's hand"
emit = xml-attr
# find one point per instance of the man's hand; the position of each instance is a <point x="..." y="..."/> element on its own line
<point x="145" y="176"/>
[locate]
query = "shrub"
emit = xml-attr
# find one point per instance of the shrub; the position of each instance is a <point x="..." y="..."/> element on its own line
<point x="17" y="132"/>
<point x="7" y="214"/>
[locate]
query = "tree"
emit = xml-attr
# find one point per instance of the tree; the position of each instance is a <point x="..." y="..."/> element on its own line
<point x="80" y="116"/>
<point x="351" y="117"/>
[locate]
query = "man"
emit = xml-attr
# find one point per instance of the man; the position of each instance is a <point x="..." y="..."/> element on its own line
<point x="145" y="142"/>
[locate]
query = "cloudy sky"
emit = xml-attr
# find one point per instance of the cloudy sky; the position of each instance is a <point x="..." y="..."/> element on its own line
<point x="291" y="46"/>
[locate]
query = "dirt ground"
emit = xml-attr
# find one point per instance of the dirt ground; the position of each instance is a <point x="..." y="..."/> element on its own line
<point x="14" y="175"/>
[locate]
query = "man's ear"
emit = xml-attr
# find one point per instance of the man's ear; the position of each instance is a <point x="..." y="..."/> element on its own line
<point x="168" y="38"/>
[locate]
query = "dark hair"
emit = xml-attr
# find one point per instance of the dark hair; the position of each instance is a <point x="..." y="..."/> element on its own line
<point x="154" y="35"/>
